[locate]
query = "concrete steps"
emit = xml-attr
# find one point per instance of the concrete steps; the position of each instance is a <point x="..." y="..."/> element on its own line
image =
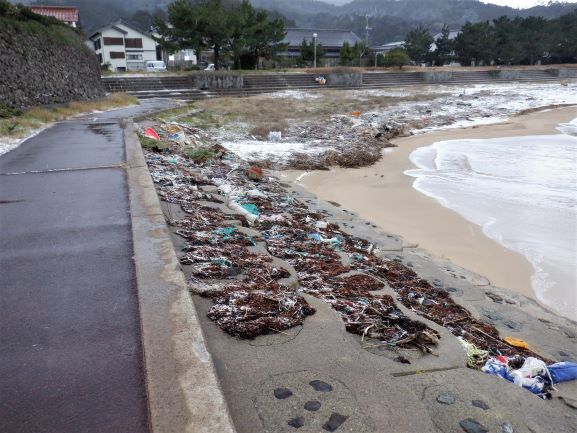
<point x="389" y="79"/>
<point x="536" y="75"/>
<point x="471" y="77"/>
<point x="134" y="84"/>
<point x="181" y="87"/>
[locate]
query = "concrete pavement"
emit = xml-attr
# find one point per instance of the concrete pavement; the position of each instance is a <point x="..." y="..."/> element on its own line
<point x="71" y="356"/>
<point x="71" y="350"/>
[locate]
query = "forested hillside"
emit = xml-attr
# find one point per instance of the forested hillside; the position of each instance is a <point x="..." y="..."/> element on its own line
<point x="390" y="20"/>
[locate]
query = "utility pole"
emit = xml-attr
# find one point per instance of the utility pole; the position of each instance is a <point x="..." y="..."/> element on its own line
<point x="367" y="30"/>
<point x="315" y="50"/>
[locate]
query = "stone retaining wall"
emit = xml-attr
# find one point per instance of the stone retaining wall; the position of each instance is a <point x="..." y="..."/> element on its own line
<point x="217" y="80"/>
<point x="564" y="73"/>
<point x="45" y="64"/>
<point x="346" y="79"/>
<point x="438" y="76"/>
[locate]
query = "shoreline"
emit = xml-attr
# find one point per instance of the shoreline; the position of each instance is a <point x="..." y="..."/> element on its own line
<point x="279" y="298"/>
<point x="421" y="220"/>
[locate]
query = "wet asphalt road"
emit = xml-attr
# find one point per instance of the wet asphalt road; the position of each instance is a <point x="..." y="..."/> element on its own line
<point x="70" y="345"/>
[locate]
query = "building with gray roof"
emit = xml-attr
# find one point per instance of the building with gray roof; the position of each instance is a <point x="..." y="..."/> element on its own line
<point x="332" y="41"/>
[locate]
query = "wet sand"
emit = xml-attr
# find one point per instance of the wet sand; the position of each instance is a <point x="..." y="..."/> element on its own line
<point x="384" y="195"/>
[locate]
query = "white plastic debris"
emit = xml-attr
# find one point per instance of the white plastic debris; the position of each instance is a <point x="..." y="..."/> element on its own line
<point x="275" y="136"/>
<point x="225" y="189"/>
<point x="321" y="225"/>
<point x="256" y="193"/>
<point x="251" y="218"/>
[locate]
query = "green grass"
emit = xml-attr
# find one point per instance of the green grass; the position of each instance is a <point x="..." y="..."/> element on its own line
<point x="189" y="114"/>
<point x="152" y="144"/>
<point x="204" y="120"/>
<point x="199" y="155"/>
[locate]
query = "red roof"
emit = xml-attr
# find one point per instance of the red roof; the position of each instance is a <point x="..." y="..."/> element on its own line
<point x="63" y="13"/>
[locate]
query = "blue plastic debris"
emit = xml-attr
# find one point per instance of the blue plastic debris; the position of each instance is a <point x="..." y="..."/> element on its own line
<point x="563" y="371"/>
<point x="225" y="232"/>
<point x="222" y="262"/>
<point x="316" y="236"/>
<point x="319" y="238"/>
<point x="250" y="207"/>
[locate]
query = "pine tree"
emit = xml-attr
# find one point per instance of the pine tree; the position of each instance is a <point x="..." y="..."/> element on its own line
<point x="445" y="46"/>
<point x="418" y="44"/>
<point x="346" y="54"/>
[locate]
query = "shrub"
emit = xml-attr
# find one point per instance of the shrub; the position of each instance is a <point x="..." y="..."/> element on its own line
<point x="7" y="111"/>
<point x="397" y="57"/>
<point x="200" y="155"/>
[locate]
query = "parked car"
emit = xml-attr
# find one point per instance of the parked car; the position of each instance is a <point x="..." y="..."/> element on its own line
<point x="210" y="67"/>
<point x="155" y="66"/>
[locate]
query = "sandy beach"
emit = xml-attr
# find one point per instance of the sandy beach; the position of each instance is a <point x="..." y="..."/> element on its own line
<point x="384" y="195"/>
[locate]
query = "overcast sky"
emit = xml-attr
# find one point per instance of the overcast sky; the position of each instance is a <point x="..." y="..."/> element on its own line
<point x="521" y="3"/>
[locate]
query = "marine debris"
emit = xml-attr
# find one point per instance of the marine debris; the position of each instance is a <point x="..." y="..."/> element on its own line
<point x="239" y="223"/>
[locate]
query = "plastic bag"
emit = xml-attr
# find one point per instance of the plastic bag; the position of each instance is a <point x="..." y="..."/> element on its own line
<point x="497" y="368"/>
<point x="275" y="136"/>
<point x="563" y="371"/>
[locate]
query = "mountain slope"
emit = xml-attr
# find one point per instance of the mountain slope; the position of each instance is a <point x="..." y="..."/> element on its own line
<point x="390" y="19"/>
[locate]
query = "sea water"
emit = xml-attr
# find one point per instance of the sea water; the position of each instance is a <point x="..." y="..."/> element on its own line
<point x="522" y="191"/>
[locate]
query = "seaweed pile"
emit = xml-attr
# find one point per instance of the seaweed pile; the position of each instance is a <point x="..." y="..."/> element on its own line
<point x="236" y="224"/>
<point x="247" y="313"/>
<point x="315" y="249"/>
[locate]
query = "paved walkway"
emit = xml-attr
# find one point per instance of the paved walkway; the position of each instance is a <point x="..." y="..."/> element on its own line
<point x="70" y="341"/>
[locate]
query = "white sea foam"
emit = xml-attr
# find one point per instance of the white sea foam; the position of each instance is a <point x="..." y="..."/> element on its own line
<point x="569" y="128"/>
<point x="523" y="192"/>
<point x="278" y="151"/>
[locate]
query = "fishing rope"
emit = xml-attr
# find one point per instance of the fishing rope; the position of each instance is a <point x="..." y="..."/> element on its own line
<point x="476" y="358"/>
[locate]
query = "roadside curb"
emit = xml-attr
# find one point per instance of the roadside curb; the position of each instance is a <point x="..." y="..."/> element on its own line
<point x="184" y="394"/>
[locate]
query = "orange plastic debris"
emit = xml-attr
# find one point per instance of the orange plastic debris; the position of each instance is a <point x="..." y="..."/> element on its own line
<point x="255" y="173"/>
<point x="355" y="113"/>
<point x="515" y="342"/>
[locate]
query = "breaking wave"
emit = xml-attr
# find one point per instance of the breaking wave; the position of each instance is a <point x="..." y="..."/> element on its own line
<point x="522" y="191"/>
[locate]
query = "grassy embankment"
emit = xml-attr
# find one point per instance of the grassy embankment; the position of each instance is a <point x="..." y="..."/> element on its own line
<point x="261" y="114"/>
<point x="20" y="123"/>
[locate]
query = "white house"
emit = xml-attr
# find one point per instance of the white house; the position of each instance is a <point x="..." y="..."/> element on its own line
<point x="123" y="47"/>
<point x="181" y="58"/>
<point x="452" y="36"/>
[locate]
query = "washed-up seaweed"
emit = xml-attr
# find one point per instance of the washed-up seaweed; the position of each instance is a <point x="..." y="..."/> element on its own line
<point x="321" y="254"/>
<point x="377" y="317"/>
<point x="250" y="313"/>
<point x="216" y="262"/>
<point x="223" y="256"/>
<point x="356" y="282"/>
<point x="199" y="218"/>
<point x="437" y="305"/>
<point x="319" y="268"/>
